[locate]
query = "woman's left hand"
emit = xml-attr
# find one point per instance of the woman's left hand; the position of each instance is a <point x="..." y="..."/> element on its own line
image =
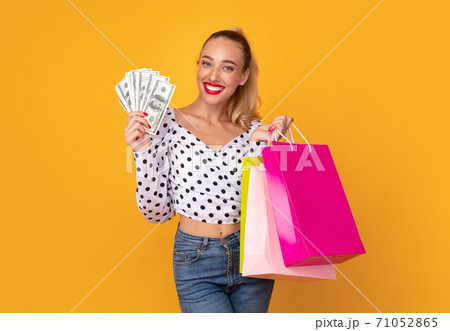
<point x="281" y="123"/>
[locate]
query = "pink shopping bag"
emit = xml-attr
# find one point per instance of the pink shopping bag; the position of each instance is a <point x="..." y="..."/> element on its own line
<point x="313" y="218"/>
<point x="262" y="251"/>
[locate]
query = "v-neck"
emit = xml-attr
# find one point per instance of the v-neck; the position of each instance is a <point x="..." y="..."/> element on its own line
<point x="223" y="147"/>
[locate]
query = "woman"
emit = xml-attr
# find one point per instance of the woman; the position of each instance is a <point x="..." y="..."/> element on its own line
<point x="193" y="166"/>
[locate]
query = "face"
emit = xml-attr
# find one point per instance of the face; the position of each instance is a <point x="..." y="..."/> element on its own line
<point x="220" y="69"/>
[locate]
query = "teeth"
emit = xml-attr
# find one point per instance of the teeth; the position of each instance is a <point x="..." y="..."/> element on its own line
<point x="211" y="88"/>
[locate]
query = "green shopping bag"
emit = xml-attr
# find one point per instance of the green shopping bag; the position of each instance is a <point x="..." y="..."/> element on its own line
<point x="247" y="162"/>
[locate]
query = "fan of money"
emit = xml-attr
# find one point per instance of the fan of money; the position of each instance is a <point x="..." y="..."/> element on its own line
<point x="145" y="90"/>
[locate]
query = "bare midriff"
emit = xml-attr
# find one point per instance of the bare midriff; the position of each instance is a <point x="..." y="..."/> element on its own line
<point x="202" y="229"/>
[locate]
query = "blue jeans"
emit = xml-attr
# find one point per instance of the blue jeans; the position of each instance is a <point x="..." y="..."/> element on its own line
<point x="207" y="277"/>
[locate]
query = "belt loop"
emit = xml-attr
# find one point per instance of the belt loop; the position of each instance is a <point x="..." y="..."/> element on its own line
<point x="205" y="243"/>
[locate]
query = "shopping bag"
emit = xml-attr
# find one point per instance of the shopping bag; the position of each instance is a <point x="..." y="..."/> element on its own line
<point x="247" y="162"/>
<point x="262" y="251"/>
<point x="313" y="218"/>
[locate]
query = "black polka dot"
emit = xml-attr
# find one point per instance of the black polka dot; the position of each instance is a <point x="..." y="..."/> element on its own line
<point x="184" y="178"/>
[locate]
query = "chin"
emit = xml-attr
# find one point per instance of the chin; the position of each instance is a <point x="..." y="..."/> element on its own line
<point x="213" y="102"/>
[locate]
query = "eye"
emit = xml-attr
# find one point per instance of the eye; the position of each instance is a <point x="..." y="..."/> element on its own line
<point x="204" y="62"/>
<point x="231" y="69"/>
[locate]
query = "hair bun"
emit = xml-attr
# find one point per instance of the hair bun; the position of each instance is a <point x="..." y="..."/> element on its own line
<point x="237" y="29"/>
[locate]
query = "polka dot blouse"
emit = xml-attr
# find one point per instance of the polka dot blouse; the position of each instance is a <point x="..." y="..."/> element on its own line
<point x="179" y="173"/>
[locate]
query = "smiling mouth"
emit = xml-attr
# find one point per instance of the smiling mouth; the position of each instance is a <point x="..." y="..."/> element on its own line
<point x="212" y="89"/>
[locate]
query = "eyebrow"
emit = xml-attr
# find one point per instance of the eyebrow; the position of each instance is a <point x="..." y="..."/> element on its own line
<point x="223" y="61"/>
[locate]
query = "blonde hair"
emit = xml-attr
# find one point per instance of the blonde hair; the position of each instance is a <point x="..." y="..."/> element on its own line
<point x="243" y="104"/>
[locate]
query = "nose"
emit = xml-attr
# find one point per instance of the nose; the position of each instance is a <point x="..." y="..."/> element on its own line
<point x="214" y="74"/>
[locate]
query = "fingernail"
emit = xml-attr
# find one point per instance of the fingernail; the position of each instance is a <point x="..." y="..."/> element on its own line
<point x="145" y="114"/>
<point x="149" y="126"/>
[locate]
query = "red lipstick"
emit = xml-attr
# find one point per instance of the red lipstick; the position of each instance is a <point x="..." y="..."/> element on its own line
<point x="213" y="85"/>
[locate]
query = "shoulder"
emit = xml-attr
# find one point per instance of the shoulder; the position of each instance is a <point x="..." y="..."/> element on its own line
<point x="255" y="124"/>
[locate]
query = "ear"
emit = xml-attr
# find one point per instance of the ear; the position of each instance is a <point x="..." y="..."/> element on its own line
<point x="244" y="77"/>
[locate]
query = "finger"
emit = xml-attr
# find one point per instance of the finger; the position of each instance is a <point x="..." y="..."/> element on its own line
<point x="135" y="133"/>
<point x="131" y="138"/>
<point x="135" y="114"/>
<point x="141" y="140"/>
<point x="138" y="119"/>
<point x="135" y="126"/>
<point x="271" y="135"/>
<point x="278" y="126"/>
<point x="276" y="133"/>
<point x="278" y="120"/>
<point x="282" y="117"/>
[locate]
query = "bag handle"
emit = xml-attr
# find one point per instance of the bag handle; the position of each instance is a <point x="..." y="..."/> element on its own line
<point x="269" y="137"/>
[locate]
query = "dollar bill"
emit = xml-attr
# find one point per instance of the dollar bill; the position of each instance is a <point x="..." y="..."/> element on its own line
<point x="150" y="86"/>
<point x="131" y="77"/>
<point x="156" y="105"/>
<point x="123" y="105"/>
<point x="142" y="84"/>
<point x="122" y="90"/>
<point x="146" y="90"/>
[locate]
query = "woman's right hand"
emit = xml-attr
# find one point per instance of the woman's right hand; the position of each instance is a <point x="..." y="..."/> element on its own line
<point x="135" y="134"/>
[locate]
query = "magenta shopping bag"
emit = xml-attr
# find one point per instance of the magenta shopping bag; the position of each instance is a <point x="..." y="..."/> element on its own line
<point x="262" y="251"/>
<point x="313" y="218"/>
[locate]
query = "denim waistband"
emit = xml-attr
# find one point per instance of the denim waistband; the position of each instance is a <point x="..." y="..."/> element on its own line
<point x="230" y="239"/>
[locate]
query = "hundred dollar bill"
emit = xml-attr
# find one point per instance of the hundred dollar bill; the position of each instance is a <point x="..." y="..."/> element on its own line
<point x="123" y="105"/>
<point x="142" y="84"/>
<point x="157" y="104"/>
<point x="131" y="77"/>
<point x="124" y="94"/>
<point x="150" y="86"/>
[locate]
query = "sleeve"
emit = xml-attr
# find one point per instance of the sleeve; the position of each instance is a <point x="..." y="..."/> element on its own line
<point x="255" y="147"/>
<point x="154" y="193"/>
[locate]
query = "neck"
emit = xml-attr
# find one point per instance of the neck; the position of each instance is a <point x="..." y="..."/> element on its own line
<point x="210" y="113"/>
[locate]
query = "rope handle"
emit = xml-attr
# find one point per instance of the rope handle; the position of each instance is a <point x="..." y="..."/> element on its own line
<point x="269" y="137"/>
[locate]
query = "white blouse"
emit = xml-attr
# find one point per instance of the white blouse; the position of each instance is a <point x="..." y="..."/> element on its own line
<point x="179" y="173"/>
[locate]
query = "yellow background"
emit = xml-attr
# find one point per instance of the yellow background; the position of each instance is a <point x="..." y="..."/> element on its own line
<point x="379" y="100"/>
